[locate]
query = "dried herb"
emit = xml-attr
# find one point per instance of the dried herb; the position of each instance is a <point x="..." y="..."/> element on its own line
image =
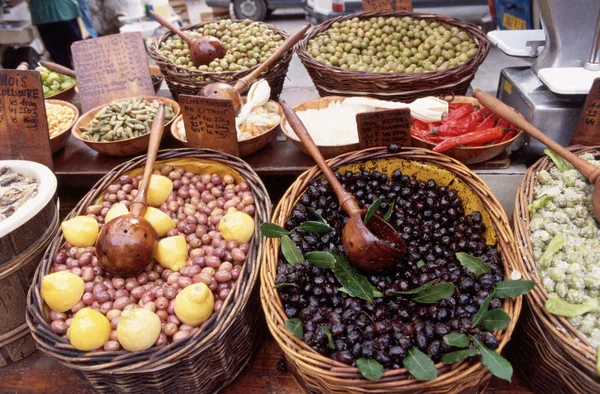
<point x="473" y="264"/>
<point x="372" y="210"/>
<point x="369" y="368"/>
<point x="290" y="250"/>
<point x="323" y="260"/>
<point x="271" y="230"/>
<point x="419" y="365"/>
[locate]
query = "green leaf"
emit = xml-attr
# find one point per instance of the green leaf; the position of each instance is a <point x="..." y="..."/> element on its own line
<point x="482" y="310"/>
<point x="372" y="210"/>
<point x="560" y="307"/>
<point x="314" y="212"/>
<point x="473" y="264"/>
<point x="279" y="286"/>
<point x="540" y="202"/>
<point x="271" y="230"/>
<point x="419" y="365"/>
<point x="290" y="250"/>
<point x="555" y="244"/>
<point x="434" y="294"/>
<point x="354" y="283"/>
<point x="496" y="319"/>
<point x="295" y="327"/>
<point x="413" y="291"/>
<point x="560" y="163"/>
<point x="327" y="332"/>
<point x="457" y="339"/>
<point x="314" y="227"/>
<point x="389" y="212"/>
<point x="495" y="363"/>
<point x="452" y="357"/>
<point x="420" y="263"/>
<point x="323" y="260"/>
<point x="369" y="368"/>
<point x="513" y="288"/>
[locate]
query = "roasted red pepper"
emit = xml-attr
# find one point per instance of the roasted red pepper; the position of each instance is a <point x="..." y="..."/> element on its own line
<point x="476" y="137"/>
<point x="459" y="112"/>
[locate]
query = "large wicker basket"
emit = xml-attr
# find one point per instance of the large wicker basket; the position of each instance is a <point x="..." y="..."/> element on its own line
<point x="393" y="86"/>
<point x="553" y="356"/>
<point x="320" y="374"/>
<point x="203" y="363"/>
<point x="182" y="80"/>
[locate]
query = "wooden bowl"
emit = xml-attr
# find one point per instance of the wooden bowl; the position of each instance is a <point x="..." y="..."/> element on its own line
<point x="65" y="95"/>
<point x="58" y="141"/>
<point x="127" y="147"/>
<point x="246" y="147"/>
<point x="157" y="78"/>
<point x="327" y="151"/>
<point x="468" y="155"/>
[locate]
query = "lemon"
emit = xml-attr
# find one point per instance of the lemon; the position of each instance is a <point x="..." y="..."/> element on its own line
<point x="89" y="330"/>
<point x="159" y="189"/>
<point x="161" y="222"/>
<point x="237" y="226"/>
<point x="80" y="231"/>
<point x="115" y="211"/>
<point x="62" y="290"/>
<point x="194" y="304"/>
<point x="138" y="329"/>
<point x="172" y="252"/>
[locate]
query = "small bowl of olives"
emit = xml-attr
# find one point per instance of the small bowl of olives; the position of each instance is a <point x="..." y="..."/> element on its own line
<point x="57" y="86"/>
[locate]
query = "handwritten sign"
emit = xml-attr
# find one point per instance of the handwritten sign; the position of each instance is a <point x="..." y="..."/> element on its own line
<point x="111" y="67"/>
<point x="383" y="128"/>
<point x="209" y="123"/>
<point x="387" y="5"/>
<point x="23" y="123"/>
<point x="587" y="131"/>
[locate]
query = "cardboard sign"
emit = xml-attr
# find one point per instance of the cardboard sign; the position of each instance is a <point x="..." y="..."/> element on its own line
<point x="209" y="123"/>
<point x="110" y="68"/>
<point x="587" y="131"/>
<point x="383" y="128"/>
<point x="23" y="123"/>
<point x="387" y="5"/>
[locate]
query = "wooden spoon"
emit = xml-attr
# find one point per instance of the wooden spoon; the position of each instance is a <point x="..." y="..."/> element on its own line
<point x="373" y="247"/>
<point x="223" y="90"/>
<point x="588" y="170"/>
<point x="203" y="50"/>
<point x="23" y="66"/>
<point x="125" y="244"/>
<point x="57" y="68"/>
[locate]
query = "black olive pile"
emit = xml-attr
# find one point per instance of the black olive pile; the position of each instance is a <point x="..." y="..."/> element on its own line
<point x="432" y="221"/>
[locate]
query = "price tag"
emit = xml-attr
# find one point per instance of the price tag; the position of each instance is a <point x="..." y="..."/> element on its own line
<point x="209" y="123"/>
<point x="387" y="5"/>
<point x="587" y="131"/>
<point x="383" y="128"/>
<point x="111" y="67"/>
<point x="23" y="123"/>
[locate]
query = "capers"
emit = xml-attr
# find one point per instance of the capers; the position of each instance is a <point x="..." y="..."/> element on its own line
<point x="401" y="45"/>
<point x="247" y="44"/>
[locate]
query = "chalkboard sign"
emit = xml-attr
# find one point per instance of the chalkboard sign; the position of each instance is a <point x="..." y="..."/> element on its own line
<point x="587" y="131"/>
<point x="383" y="128"/>
<point x="209" y="123"/>
<point x="111" y="67"/>
<point x="23" y="124"/>
<point x="387" y="5"/>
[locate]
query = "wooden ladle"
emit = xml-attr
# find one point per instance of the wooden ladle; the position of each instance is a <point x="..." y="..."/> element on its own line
<point x="223" y="90"/>
<point x="588" y="170"/>
<point x="203" y="50"/>
<point x="373" y="247"/>
<point x="125" y="244"/>
<point x="58" y="68"/>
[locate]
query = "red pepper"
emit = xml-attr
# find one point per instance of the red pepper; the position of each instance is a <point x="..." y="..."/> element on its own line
<point x="476" y="137"/>
<point x="420" y="125"/>
<point x="489" y="122"/>
<point x="508" y="135"/>
<point x="486" y="112"/>
<point x="459" y="112"/>
<point x="446" y="130"/>
<point x="463" y="125"/>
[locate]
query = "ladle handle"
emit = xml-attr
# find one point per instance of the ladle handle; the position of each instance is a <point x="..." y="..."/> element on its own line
<point x="139" y="204"/>
<point x="507" y="113"/>
<point x="244" y="83"/>
<point x="347" y="201"/>
<point x="23" y="66"/>
<point x="163" y="21"/>
<point x="58" y="68"/>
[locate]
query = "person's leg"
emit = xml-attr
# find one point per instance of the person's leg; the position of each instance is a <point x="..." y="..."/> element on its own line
<point x="87" y="18"/>
<point x="58" y="37"/>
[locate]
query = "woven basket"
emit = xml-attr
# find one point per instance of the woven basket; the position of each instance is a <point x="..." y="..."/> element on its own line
<point x="320" y="374"/>
<point x="203" y="363"/>
<point x="182" y="80"/>
<point x="553" y="355"/>
<point x="393" y="86"/>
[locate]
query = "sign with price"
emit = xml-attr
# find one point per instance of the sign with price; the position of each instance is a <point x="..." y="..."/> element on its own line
<point x="111" y="67"/>
<point x="383" y="128"/>
<point x="209" y="123"/>
<point x="587" y="131"/>
<point x="23" y="124"/>
<point x="387" y="5"/>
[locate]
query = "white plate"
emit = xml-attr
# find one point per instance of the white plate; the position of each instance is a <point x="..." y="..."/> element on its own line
<point x="46" y="190"/>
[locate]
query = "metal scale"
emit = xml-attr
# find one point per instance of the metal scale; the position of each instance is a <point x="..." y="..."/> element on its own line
<point x="551" y="93"/>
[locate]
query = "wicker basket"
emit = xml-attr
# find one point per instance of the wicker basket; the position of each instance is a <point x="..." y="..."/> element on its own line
<point x="320" y="374"/>
<point x="182" y="80"/>
<point x="553" y="355"/>
<point x="204" y="363"/>
<point x="393" y="86"/>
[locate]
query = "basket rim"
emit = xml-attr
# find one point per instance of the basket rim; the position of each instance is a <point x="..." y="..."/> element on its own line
<point x="344" y="374"/>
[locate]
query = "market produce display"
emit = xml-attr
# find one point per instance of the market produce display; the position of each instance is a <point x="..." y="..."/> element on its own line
<point x="246" y="43"/>
<point x="15" y="190"/>
<point x="392" y="44"/>
<point x="60" y="118"/>
<point x="205" y="223"/>
<point x="54" y="83"/>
